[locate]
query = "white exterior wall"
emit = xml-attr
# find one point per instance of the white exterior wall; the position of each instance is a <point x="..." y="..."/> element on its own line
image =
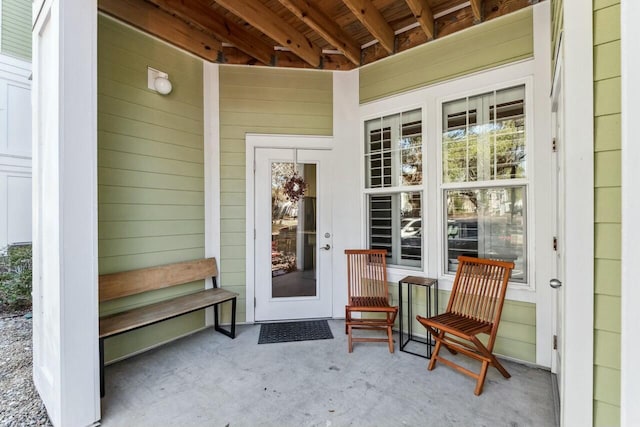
<point x="15" y="151"/>
<point x="65" y="266"/>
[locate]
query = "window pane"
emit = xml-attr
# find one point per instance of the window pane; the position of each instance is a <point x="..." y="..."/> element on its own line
<point x="483" y="137"/>
<point x="487" y="223"/>
<point x="393" y="150"/>
<point x="395" y="224"/>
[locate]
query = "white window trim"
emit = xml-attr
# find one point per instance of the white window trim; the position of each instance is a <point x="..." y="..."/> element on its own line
<point x="365" y="192"/>
<point x="527" y="183"/>
<point x="428" y="98"/>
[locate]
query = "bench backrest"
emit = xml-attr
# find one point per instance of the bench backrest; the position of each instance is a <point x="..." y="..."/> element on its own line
<point x="118" y="285"/>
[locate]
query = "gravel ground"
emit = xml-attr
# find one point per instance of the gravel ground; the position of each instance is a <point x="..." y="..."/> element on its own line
<point x="20" y="404"/>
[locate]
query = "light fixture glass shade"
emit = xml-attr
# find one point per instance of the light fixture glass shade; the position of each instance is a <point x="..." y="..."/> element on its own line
<point x="162" y="85"/>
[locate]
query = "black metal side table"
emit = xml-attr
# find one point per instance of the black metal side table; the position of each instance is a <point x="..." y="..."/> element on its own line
<point x="431" y="286"/>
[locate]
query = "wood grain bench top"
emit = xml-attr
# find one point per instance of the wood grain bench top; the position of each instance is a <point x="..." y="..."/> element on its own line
<point x="153" y="313"/>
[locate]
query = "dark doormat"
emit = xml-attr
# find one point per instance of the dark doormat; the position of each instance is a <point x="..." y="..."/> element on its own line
<point x="294" y="331"/>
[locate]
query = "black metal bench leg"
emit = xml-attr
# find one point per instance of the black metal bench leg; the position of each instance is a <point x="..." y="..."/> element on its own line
<point x="216" y="322"/>
<point x="101" y="346"/>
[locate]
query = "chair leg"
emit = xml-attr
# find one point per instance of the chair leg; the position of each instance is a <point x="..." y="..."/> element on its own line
<point x="347" y="319"/>
<point x="390" y="335"/>
<point x="493" y="360"/>
<point x="434" y="355"/>
<point x="481" y="378"/>
<point x="349" y="332"/>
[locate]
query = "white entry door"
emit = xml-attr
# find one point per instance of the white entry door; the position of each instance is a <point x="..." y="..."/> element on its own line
<point x="556" y="282"/>
<point x="292" y="234"/>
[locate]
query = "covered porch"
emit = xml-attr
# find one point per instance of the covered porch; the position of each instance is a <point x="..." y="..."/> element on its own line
<point x="197" y="381"/>
<point x="129" y="175"/>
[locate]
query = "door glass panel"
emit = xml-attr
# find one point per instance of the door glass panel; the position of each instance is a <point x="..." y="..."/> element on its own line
<point x="293" y="230"/>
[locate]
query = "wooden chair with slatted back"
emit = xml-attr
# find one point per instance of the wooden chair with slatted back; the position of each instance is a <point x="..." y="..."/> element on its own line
<point x="368" y="293"/>
<point x="474" y="308"/>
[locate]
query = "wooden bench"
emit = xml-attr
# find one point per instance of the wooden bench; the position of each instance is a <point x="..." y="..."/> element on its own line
<point x="118" y="285"/>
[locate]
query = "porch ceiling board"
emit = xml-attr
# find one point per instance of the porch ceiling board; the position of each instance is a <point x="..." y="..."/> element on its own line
<point x="324" y="34"/>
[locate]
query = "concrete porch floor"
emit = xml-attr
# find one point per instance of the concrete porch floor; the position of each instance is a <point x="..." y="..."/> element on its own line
<point x="207" y="379"/>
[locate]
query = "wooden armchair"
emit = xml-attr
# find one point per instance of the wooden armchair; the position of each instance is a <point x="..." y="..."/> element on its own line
<point x="474" y="308"/>
<point x="368" y="293"/>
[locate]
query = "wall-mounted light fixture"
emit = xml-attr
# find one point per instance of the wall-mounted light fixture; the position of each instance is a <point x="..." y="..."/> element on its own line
<point x="158" y="81"/>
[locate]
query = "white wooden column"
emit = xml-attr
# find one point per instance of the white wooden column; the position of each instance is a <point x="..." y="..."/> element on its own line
<point x="65" y="271"/>
<point x="630" y="340"/>
<point x="579" y="201"/>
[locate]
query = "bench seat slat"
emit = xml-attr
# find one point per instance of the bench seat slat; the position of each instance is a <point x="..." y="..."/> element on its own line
<point x="152" y="313"/>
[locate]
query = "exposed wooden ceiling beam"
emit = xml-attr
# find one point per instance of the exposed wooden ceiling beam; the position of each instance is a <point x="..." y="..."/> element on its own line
<point x="476" y="7"/>
<point x="201" y="15"/>
<point x="326" y="27"/>
<point x="162" y="25"/>
<point x="261" y="17"/>
<point x="423" y="13"/>
<point x="373" y="20"/>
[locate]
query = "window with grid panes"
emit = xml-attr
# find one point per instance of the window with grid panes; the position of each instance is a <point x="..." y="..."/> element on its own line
<point x="393" y="164"/>
<point x="484" y="178"/>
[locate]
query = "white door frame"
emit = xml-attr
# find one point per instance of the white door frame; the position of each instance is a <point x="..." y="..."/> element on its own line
<point x="577" y="57"/>
<point x="253" y="141"/>
<point x="630" y="348"/>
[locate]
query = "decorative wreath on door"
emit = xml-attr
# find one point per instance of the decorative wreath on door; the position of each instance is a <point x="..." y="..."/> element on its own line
<point x="295" y="187"/>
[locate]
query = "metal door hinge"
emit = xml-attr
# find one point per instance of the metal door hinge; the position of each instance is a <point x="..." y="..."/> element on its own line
<point x="555" y="243"/>
<point x="554" y="145"/>
<point x="555" y="342"/>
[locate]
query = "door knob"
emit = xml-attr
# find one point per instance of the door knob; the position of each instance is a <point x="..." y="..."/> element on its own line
<point x="555" y="283"/>
<point x="325" y="247"/>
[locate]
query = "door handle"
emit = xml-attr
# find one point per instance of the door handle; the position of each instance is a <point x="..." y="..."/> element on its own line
<point x="555" y="283"/>
<point x="325" y="247"/>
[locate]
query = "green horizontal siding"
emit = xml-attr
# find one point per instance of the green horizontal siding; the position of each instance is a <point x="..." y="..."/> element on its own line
<point x="15" y="37"/>
<point x="475" y="49"/>
<point x="557" y="25"/>
<point x="260" y="100"/>
<point x="608" y="219"/>
<point x="150" y="172"/>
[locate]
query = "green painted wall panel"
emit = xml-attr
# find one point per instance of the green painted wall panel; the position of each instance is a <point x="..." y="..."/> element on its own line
<point x="129" y="229"/>
<point x="601" y="4"/>
<point x="142" y="96"/>
<point x="148" y="212"/>
<point x="606" y="24"/>
<point x="608" y="276"/>
<point x="607" y="385"/>
<point x="120" y="177"/>
<point x="151" y="169"/>
<point x="15" y="34"/>
<point x="127" y="144"/>
<point x="608" y="204"/>
<point x="233" y="225"/>
<point x="117" y="160"/>
<point x="607" y="241"/>
<point x="147" y="196"/>
<point x="607" y="169"/>
<point x="606" y="95"/>
<point x="477" y="48"/>
<point x="607" y="132"/>
<point x="121" y="125"/>
<point x="139" y="245"/>
<point x="131" y="262"/>
<point x="605" y="415"/>
<point x="607" y="314"/>
<point x="606" y="59"/>
<point x="604" y="342"/>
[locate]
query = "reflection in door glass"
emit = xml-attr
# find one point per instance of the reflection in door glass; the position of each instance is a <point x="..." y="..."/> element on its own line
<point x="293" y="230"/>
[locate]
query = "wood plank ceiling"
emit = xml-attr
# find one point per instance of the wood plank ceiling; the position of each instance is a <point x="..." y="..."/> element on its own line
<point x="323" y="34"/>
